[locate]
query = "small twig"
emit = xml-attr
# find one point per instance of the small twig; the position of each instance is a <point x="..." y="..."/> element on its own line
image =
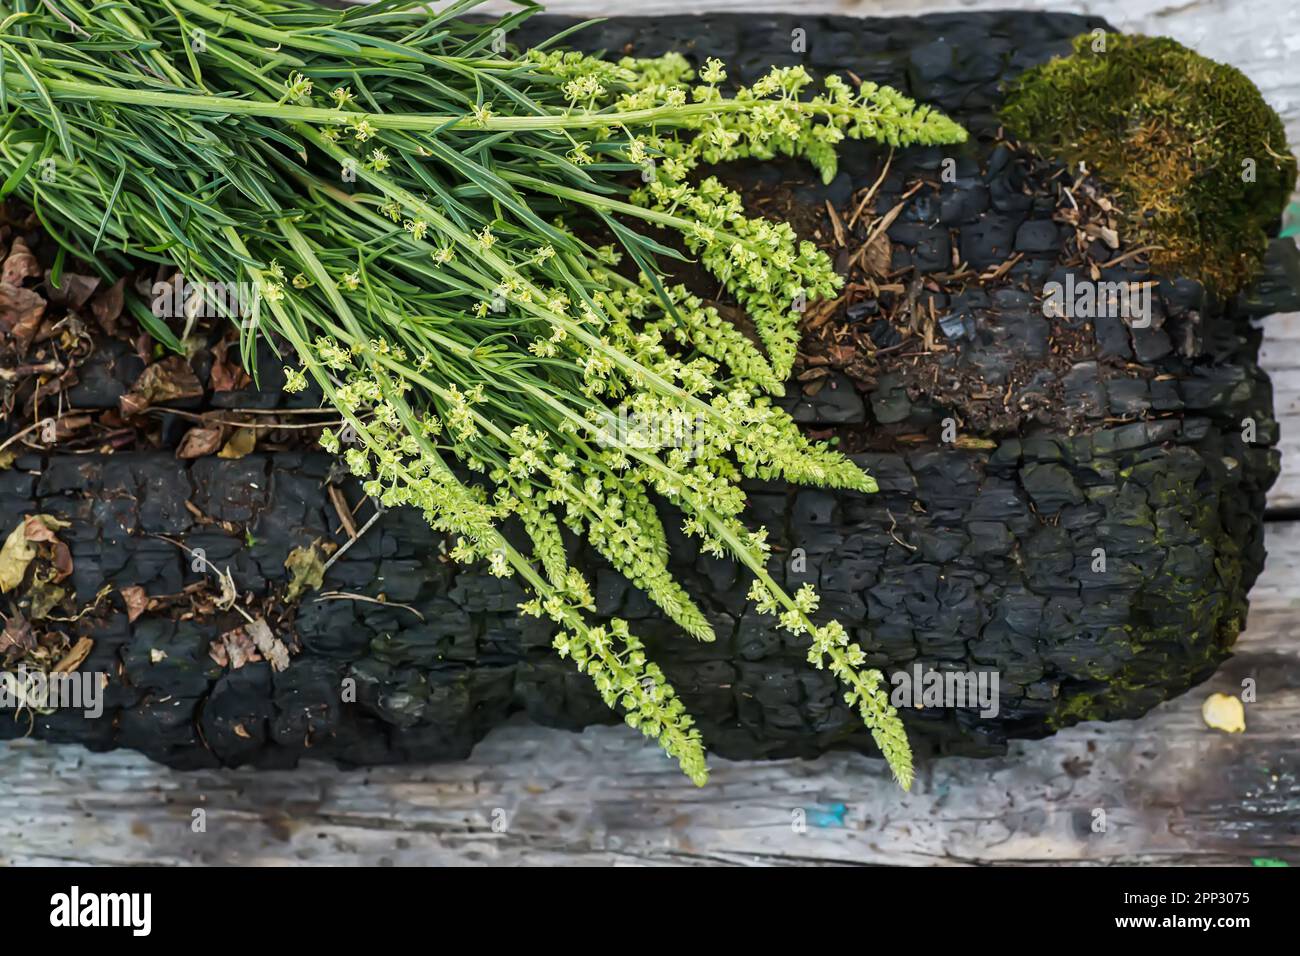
<point x="191" y="416"/>
<point x="836" y="226"/>
<point x="351" y="541"/>
<point x="872" y="191"/>
<point x="881" y="225"/>
<point x="350" y="596"/>
<point x="1129" y="255"/>
<point x="229" y="594"/>
<point x="342" y="510"/>
<point x="280" y="411"/>
<point x="893" y="524"/>
<point x="17" y="436"/>
<point x="21" y="371"/>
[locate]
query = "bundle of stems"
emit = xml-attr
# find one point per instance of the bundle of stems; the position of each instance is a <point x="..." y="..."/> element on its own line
<point x="463" y="245"/>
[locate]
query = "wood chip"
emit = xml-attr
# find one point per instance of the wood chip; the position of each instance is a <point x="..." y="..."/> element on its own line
<point x="75" y="657"/>
<point x="836" y="226"/>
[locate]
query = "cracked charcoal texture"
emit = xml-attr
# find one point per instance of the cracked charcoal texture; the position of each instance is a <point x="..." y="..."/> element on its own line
<point x="965" y="559"/>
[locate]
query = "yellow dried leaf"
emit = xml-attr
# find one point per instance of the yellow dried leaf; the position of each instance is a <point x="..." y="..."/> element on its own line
<point x="306" y="567"/>
<point x="15" y="556"/>
<point x="243" y="441"/>
<point x="17" y="552"/>
<point x="1224" y="712"/>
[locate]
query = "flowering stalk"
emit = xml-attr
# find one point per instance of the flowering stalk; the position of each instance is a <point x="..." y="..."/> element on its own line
<point x="417" y="216"/>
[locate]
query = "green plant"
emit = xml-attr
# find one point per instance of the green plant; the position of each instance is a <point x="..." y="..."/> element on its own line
<point x="418" y="213"/>
<point x="1198" y="158"/>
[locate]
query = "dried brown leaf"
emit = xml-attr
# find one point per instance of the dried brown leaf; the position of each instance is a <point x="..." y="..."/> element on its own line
<point x="17" y="552"/>
<point x="17" y="638"/>
<point x="44" y="595"/>
<point x="73" y="291"/>
<point x="877" y="255"/>
<point x="199" y="441"/>
<point x="167" y="380"/>
<point x="271" y="647"/>
<point x="21" y="311"/>
<point x="20" y="264"/>
<point x="136" y="601"/>
<point x="226" y="376"/>
<point x="15" y="556"/>
<point x="107" y="306"/>
<point x="234" y="649"/>
<point x="42" y="527"/>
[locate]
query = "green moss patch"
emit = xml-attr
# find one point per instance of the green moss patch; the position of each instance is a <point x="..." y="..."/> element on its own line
<point x="1196" y="156"/>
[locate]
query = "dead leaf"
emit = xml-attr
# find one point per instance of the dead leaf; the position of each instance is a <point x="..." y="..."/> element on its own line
<point x="15" y="556"/>
<point x="107" y="306"/>
<point x="234" y="649"/>
<point x="167" y="380"/>
<point x="877" y="256"/>
<point x="136" y="601"/>
<point x="306" y="567"/>
<point x="21" y="311"/>
<point x="75" y="657"/>
<point x="16" y="639"/>
<point x="243" y="441"/>
<point x="272" y="647"/>
<point x="157" y="656"/>
<point x="242" y="731"/>
<point x="73" y="290"/>
<point x="226" y="376"/>
<point x="200" y="441"/>
<point x="42" y="527"/>
<point x="61" y="560"/>
<point x="841" y="355"/>
<point x="20" y="264"/>
<point x="44" y="595"/>
<point x="18" y="553"/>
<point x="1224" y="712"/>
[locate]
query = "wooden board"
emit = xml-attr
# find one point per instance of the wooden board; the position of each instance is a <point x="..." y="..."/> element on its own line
<point x="1172" y="791"/>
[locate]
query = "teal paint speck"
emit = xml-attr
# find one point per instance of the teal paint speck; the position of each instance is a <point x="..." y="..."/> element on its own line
<point x="832" y="815"/>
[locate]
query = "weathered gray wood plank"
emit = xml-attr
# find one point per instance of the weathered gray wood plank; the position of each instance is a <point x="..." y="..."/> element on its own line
<point x="1280" y="357"/>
